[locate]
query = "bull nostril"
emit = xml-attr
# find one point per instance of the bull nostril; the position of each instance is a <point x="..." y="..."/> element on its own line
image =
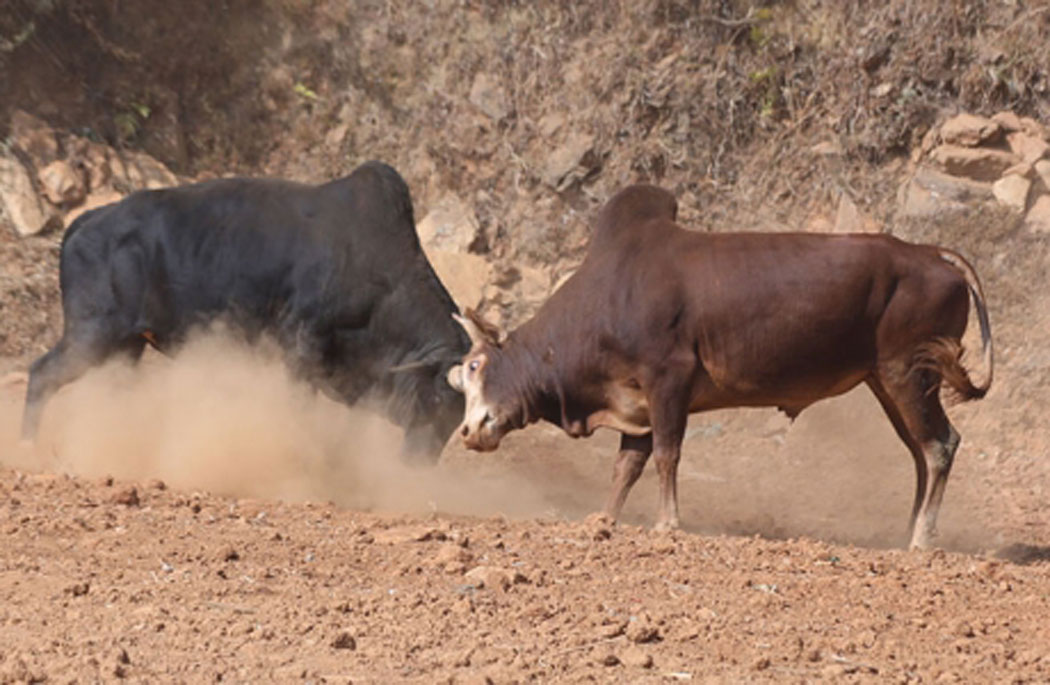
<point x="463" y="431"/>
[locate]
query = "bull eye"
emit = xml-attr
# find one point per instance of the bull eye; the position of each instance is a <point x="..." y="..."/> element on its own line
<point x="473" y="365"/>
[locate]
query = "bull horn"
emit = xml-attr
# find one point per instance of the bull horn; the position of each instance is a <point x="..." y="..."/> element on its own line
<point x="479" y="330"/>
<point x="455" y="377"/>
<point x="408" y="366"/>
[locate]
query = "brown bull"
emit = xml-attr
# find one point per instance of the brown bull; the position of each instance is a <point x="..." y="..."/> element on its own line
<point x="659" y="322"/>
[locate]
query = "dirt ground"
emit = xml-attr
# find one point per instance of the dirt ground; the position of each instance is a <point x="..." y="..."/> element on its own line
<point x="225" y="523"/>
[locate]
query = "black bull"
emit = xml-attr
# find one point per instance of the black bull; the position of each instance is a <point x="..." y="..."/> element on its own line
<point x="334" y="272"/>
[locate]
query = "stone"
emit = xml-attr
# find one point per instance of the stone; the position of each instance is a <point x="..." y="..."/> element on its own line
<point x="1007" y="120"/>
<point x="61" y="184"/>
<point x="493" y="577"/>
<point x="827" y="148"/>
<point x="563" y="161"/>
<point x="1029" y="148"/>
<point x="488" y="96"/>
<point x="94" y="159"/>
<point x="93" y="201"/>
<point x="1038" y="217"/>
<point x="636" y="657"/>
<point x="464" y="275"/>
<point x="19" y="200"/>
<point x="981" y="164"/>
<point x="534" y="285"/>
<point x="551" y="123"/>
<point x="137" y="171"/>
<point x="1034" y="128"/>
<point x="849" y="219"/>
<point x="450" y="226"/>
<point x="930" y="192"/>
<point x="969" y="130"/>
<point x="344" y="640"/>
<point x="1012" y="191"/>
<point x="1023" y="169"/>
<point x="404" y="534"/>
<point x="128" y="496"/>
<point x="1042" y="172"/>
<point x="34" y="137"/>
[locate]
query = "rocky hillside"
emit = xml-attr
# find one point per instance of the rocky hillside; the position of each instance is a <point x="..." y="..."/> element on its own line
<point x="512" y="123"/>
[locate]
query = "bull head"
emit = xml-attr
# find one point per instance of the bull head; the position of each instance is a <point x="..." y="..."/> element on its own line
<point x="481" y="333"/>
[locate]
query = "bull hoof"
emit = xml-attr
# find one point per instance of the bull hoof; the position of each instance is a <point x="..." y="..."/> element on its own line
<point x="666" y="526"/>
<point x="600" y="518"/>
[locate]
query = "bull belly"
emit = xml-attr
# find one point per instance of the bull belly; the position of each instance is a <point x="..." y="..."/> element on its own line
<point x="791" y="395"/>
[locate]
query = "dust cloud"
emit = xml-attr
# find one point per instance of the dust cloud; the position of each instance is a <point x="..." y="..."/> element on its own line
<point x="229" y="419"/>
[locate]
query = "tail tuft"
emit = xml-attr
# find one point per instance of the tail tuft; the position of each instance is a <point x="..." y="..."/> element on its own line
<point x="944" y="358"/>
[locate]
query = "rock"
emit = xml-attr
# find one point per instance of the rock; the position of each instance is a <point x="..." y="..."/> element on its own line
<point x="493" y="577"/>
<point x="1023" y="169"/>
<point x="19" y="200"/>
<point x="551" y="123"/>
<point x="465" y="275"/>
<point x="229" y="553"/>
<point x="560" y="164"/>
<point x="1012" y="191"/>
<point x="92" y="201"/>
<point x="636" y="657"/>
<point x="61" y="184"/>
<point x="641" y="630"/>
<point x="34" y="137"/>
<point x="1038" y="217"/>
<point x="882" y="90"/>
<point x="129" y="497"/>
<point x="969" y="130"/>
<point x="137" y="170"/>
<point x="452" y="551"/>
<point x="1034" y="128"/>
<point x="827" y="148"/>
<point x="394" y="536"/>
<point x="79" y="589"/>
<point x="930" y="192"/>
<point x="344" y="640"/>
<point x="849" y="219"/>
<point x="1042" y="172"/>
<point x="450" y="225"/>
<point x="1029" y="148"/>
<point x="981" y="164"/>
<point x="486" y="95"/>
<point x="1007" y="120"/>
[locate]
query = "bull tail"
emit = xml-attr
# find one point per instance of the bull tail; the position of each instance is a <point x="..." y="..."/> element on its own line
<point x="944" y="355"/>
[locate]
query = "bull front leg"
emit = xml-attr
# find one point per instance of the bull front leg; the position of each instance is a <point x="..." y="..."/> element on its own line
<point x="630" y="462"/>
<point x="669" y="409"/>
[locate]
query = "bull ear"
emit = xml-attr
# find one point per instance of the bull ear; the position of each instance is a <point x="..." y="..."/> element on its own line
<point x="455" y="377"/>
<point x="480" y="331"/>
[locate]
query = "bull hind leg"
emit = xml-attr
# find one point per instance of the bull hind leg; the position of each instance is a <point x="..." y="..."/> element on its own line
<point x="62" y="364"/>
<point x="630" y="462"/>
<point x="914" y="408"/>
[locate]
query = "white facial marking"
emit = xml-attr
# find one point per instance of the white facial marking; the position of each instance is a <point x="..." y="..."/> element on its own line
<point x="478" y="415"/>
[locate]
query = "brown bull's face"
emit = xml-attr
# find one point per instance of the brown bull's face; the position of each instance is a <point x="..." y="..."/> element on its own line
<point x="483" y="426"/>
<point x="484" y="421"/>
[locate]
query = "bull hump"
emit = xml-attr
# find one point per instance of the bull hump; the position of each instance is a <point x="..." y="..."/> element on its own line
<point x="634" y="206"/>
